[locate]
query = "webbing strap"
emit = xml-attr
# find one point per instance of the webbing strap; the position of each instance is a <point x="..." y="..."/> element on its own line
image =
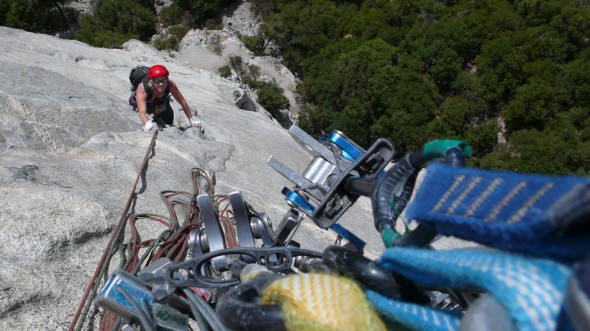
<point x="532" y="290"/>
<point x="578" y="296"/>
<point x="414" y="316"/>
<point x="317" y="301"/>
<point x="527" y="213"/>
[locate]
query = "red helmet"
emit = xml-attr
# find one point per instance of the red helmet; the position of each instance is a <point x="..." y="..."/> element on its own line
<point x="157" y="70"/>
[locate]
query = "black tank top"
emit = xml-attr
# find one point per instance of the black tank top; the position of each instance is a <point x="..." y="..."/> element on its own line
<point x="156" y="105"/>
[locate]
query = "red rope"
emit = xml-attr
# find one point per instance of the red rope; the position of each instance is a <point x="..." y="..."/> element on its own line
<point x="92" y="283"/>
<point x="172" y="246"/>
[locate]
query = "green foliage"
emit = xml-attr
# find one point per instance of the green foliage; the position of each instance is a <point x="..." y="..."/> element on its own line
<point x="454" y="116"/>
<point x="254" y="70"/>
<point x="303" y="28"/>
<point x="213" y="24"/>
<point x="236" y="62"/>
<point x="482" y="137"/>
<point x="4" y="7"/>
<point x="443" y="47"/>
<point x="264" y="8"/>
<point x="574" y="81"/>
<point x="175" y="35"/>
<point x="373" y="23"/>
<point x="533" y="151"/>
<point x="250" y="81"/>
<point x="195" y="13"/>
<point x="356" y="119"/>
<point x="113" y="24"/>
<point x="537" y="12"/>
<point x="257" y="44"/>
<point x="573" y="23"/>
<point x="412" y="71"/>
<point x="316" y="119"/>
<point x="346" y="74"/>
<point x="45" y="16"/>
<point x="412" y="99"/>
<point x="271" y="97"/>
<point x="533" y="106"/>
<point x="110" y="39"/>
<point x="202" y="11"/>
<point x="172" y="15"/>
<point x="202" y="7"/>
<point x="224" y="71"/>
<point x="165" y="43"/>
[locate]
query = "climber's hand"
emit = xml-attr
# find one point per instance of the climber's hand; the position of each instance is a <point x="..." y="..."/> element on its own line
<point x="196" y="124"/>
<point x="150" y="126"/>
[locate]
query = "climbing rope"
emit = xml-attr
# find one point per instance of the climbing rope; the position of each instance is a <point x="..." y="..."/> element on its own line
<point x="100" y="270"/>
<point x="133" y="252"/>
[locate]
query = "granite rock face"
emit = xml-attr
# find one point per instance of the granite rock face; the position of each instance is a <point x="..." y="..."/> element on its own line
<point x="211" y="49"/>
<point x="71" y="149"/>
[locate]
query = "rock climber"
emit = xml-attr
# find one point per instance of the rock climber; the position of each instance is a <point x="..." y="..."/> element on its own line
<point x="153" y="98"/>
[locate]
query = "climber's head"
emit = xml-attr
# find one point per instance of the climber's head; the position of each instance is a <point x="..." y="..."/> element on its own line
<point x="158" y="76"/>
<point x="158" y="71"/>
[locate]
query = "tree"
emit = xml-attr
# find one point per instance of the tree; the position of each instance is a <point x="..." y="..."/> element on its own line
<point x="302" y="28"/>
<point x="532" y="151"/>
<point x="264" y="8"/>
<point x="483" y="138"/>
<point x="257" y="44"/>
<point x="444" y="47"/>
<point x="533" y="106"/>
<point x="195" y="13"/>
<point x="316" y="120"/>
<point x="351" y="83"/>
<point x="408" y="108"/>
<point x="224" y="71"/>
<point x="115" y="22"/>
<point x="573" y="81"/>
<point x="4" y="7"/>
<point x="416" y="70"/>
<point x="503" y="18"/>
<point x="455" y="116"/>
<point x="271" y="97"/>
<point x="469" y="86"/>
<point x="173" y="14"/>
<point x="355" y="119"/>
<point x="203" y="8"/>
<point x="500" y="66"/>
<point x="373" y="22"/>
<point x="538" y="12"/>
<point x="573" y="23"/>
<point x="45" y="16"/>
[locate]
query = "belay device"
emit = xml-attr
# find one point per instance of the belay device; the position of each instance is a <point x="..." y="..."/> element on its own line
<point x="338" y="174"/>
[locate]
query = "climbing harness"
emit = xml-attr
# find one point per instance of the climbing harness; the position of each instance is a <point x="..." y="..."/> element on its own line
<point x="225" y="266"/>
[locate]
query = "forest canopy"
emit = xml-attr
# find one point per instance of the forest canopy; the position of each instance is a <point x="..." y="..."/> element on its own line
<point x="412" y="71"/>
<point x="45" y="16"/>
